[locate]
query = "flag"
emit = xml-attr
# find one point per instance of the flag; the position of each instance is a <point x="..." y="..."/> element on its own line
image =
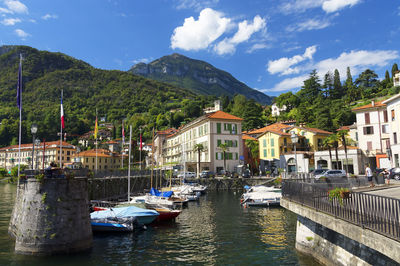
<point x="123" y="133"/>
<point x="19" y="86"/>
<point x="62" y="113"/>
<point x="96" y="130"/>
<point x="141" y="145"/>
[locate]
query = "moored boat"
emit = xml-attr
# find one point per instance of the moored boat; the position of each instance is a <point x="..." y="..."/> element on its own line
<point x="143" y="216"/>
<point x="261" y="196"/>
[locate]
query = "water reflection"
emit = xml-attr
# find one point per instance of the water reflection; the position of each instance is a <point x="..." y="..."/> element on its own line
<point x="214" y="231"/>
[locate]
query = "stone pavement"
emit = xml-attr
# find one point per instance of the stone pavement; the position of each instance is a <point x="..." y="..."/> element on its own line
<point x="391" y="191"/>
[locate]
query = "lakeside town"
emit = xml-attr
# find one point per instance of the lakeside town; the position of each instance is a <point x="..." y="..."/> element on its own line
<point x="216" y="143"/>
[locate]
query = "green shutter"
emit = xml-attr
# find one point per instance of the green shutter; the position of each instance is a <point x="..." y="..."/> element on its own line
<point x="272" y="152"/>
<point x="218" y="142"/>
<point x="236" y="156"/>
<point x="272" y="142"/>
<point x="264" y="143"/>
<point x="265" y="153"/>
<point x="219" y="128"/>
<point x="216" y="156"/>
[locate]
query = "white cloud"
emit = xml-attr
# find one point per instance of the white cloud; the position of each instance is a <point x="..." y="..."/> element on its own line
<point x="49" y="16"/>
<point x="289" y="83"/>
<point x="329" y="6"/>
<point x="256" y="46"/>
<point x="16" y="6"/>
<point x="5" y="10"/>
<point x="199" y="34"/>
<point x="335" y="5"/>
<point x="142" y="60"/>
<point x="310" y="24"/>
<point x="283" y="65"/>
<point x="10" y="21"/>
<point x="245" y="31"/>
<point x="358" y="61"/>
<point x="22" y="34"/>
<point x="195" y="4"/>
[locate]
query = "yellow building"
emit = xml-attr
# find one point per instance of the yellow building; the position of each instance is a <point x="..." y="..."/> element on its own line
<point x="276" y="140"/>
<point x="106" y="160"/>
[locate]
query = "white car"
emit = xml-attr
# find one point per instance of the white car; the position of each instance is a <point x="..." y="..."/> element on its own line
<point x="187" y="174"/>
<point x="332" y="173"/>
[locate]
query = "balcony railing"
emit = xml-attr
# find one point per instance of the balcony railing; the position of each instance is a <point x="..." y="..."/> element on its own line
<point x="377" y="213"/>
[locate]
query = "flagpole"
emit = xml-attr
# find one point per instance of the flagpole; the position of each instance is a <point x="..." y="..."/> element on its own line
<point x="19" y="99"/>
<point x="95" y="136"/>
<point x="61" y="135"/>
<point x="129" y="163"/>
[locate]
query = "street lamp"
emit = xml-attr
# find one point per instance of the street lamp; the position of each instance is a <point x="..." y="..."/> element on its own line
<point x="37" y="143"/>
<point x="34" y="129"/>
<point x="294" y="139"/>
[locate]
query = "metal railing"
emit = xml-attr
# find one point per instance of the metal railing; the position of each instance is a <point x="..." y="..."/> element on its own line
<point x="377" y="213"/>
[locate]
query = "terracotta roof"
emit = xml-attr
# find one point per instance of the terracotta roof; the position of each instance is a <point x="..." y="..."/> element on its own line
<point x="168" y="131"/>
<point x="377" y="104"/>
<point x="343" y="128"/>
<point x="48" y="144"/>
<point x="222" y="115"/>
<point x="275" y="127"/>
<point x="248" y="137"/>
<point x="316" y="130"/>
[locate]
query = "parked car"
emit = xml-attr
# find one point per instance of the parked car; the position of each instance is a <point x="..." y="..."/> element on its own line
<point x="207" y="174"/>
<point x="246" y="173"/>
<point x="332" y="173"/>
<point x="187" y="175"/>
<point x="318" y="172"/>
<point x="395" y="173"/>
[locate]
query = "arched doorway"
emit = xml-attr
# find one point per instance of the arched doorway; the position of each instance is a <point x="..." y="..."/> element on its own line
<point x="291" y="164"/>
<point x="322" y="164"/>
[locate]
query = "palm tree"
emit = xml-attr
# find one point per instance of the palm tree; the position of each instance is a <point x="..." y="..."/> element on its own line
<point x="224" y="148"/>
<point x="334" y="138"/>
<point x="254" y="151"/>
<point x="199" y="148"/>
<point x="342" y="135"/>
<point x="327" y="144"/>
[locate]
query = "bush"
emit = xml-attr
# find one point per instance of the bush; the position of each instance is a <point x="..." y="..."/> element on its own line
<point x="3" y="172"/>
<point x="338" y="194"/>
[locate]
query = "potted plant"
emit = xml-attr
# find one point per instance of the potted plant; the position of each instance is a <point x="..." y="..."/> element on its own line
<point x="339" y="194"/>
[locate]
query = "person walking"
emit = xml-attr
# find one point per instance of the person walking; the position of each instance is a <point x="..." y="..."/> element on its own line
<point x="368" y="173"/>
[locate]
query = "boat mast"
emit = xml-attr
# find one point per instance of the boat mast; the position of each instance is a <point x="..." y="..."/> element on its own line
<point x="152" y="158"/>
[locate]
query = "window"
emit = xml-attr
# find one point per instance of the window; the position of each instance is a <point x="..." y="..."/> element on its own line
<point x="367" y="120"/>
<point x="396" y="160"/>
<point x="385" y="128"/>
<point x="394" y="138"/>
<point x="393" y="115"/>
<point x="272" y="142"/>
<point x="369" y="145"/>
<point x="87" y="160"/>
<point x="264" y="143"/>
<point x="265" y="153"/>
<point x="218" y="142"/>
<point x="285" y="142"/>
<point x="218" y="128"/>
<point x="236" y="156"/>
<point x="67" y="158"/>
<point x="385" y="116"/>
<point x="368" y="130"/>
<point x="272" y="152"/>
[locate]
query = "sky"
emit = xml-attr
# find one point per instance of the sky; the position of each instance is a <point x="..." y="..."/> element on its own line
<point x="270" y="45"/>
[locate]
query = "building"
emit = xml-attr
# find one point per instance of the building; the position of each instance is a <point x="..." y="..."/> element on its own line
<point x="396" y="79"/>
<point x="276" y="111"/>
<point x="159" y="143"/>
<point x="373" y="131"/>
<point x="393" y="108"/>
<point x="106" y="160"/>
<point x="210" y="130"/>
<point x="47" y="153"/>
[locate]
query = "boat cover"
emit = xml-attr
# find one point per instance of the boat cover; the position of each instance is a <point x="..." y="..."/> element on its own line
<point x="123" y="212"/>
<point x="157" y="193"/>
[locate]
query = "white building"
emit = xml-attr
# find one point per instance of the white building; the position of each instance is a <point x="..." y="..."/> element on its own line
<point x="373" y="131"/>
<point x="275" y="110"/>
<point x="396" y="79"/>
<point x="210" y="130"/>
<point x="393" y="108"/>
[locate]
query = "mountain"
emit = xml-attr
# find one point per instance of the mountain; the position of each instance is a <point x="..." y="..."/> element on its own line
<point x="115" y="94"/>
<point x="198" y="76"/>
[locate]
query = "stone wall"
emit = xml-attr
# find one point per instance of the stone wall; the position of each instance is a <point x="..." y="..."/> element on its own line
<point x="51" y="216"/>
<point x="336" y="242"/>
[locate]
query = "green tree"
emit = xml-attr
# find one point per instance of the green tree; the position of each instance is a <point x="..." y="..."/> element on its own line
<point x="368" y="83"/>
<point x="337" y="89"/>
<point x="395" y="68"/>
<point x="199" y="148"/>
<point x="328" y="85"/>
<point x="311" y="88"/>
<point x="253" y="146"/>
<point x="342" y="134"/>
<point x="288" y="99"/>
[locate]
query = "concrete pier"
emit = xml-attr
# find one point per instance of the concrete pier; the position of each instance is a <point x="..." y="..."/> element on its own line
<point x="51" y="216"/>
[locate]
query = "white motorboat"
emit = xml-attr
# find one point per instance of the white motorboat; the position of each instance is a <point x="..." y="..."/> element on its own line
<point x="261" y="196"/>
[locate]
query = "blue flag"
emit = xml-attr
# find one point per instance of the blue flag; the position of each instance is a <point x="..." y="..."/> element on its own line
<point x="19" y="86"/>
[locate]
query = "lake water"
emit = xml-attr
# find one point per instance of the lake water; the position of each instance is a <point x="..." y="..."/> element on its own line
<point x="214" y="231"/>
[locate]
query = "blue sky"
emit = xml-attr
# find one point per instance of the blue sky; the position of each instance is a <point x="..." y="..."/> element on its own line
<point x="271" y="45"/>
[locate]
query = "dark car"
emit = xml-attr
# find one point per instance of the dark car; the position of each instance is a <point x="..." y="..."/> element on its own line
<point x="395" y="173"/>
<point x="207" y="174"/>
<point x="246" y="173"/>
<point x="318" y="172"/>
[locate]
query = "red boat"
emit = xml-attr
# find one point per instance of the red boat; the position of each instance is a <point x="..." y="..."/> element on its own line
<point x="166" y="214"/>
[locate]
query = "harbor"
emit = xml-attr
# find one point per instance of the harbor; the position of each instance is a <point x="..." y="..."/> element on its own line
<point x="214" y="230"/>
